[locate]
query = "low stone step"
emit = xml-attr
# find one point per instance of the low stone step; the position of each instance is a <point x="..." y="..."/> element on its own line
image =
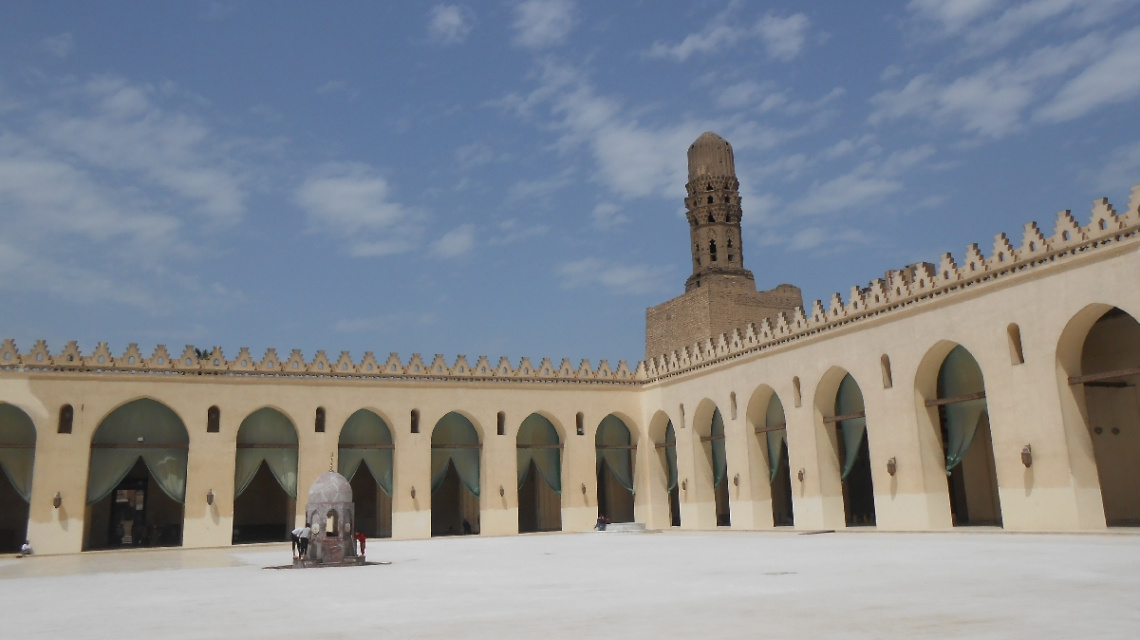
<point x="625" y="527"/>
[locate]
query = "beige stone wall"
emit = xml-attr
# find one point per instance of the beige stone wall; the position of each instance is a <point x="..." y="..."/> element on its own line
<point x="719" y="305"/>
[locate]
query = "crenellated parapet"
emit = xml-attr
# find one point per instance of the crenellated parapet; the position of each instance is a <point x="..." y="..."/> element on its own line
<point x="161" y="362"/>
<point x="917" y="285"/>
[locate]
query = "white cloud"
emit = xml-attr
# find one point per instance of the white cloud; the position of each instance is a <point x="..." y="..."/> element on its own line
<point x="59" y="46"/>
<point x="119" y="127"/>
<point x="510" y="231"/>
<point x="952" y="15"/>
<point x="989" y="25"/>
<point x="456" y="243"/>
<point x="536" y="189"/>
<point x="106" y="189"/>
<point x="332" y="86"/>
<point x="352" y="201"/>
<point x="1120" y="171"/>
<point x="384" y="323"/>
<point x="615" y="278"/>
<point x="450" y="24"/>
<point x="830" y="238"/>
<point x="1113" y="78"/>
<point x="868" y="183"/>
<point x="993" y="100"/>
<point x="607" y="215"/>
<point x="782" y="37"/>
<point x="543" y="23"/>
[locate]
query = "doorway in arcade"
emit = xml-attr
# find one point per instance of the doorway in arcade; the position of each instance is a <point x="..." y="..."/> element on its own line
<point x="136" y="483"/>
<point x="614" y="451"/>
<point x="365" y="458"/>
<point x="17" y="455"/>
<point x="455" y="452"/>
<point x="265" y="478"/>
<point x="540" y="475"/>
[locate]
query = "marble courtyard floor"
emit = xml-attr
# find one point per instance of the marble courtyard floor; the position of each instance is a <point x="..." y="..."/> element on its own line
<point x="721" y="584"/>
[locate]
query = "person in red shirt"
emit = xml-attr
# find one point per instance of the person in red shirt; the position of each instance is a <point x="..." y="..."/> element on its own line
<point x="361" y="540"/>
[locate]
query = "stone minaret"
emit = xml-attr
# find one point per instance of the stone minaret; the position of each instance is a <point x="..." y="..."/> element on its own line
<point x="712" y="205"/>
<point x="721" y="294"/>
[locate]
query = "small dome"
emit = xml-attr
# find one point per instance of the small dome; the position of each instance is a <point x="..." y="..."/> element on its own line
<point x="711" y="155"/>
<point x="330" y="487"/>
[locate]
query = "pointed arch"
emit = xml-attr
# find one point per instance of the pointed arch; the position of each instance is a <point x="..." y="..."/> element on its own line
<point x="136" y="479"/>
<point x="17" y="460"/>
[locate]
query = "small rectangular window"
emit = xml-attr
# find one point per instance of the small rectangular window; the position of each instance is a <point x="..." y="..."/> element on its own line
<point x="213" y="420"/>
<point x="502" y="426"/>
<point x="415" y="420"/>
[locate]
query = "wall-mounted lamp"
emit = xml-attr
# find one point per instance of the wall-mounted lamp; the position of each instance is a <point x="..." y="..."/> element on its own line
<point x="1098" y="430"/>
<point x="800" y="475"/>
<point x="413" y="493"/>
<point x="892" y="466"/>
<point x="210" y="497"/>
<point x="1116" y="431"/>
<point x="57" y="501"/>
<point x="583" y="488"/>
<point x="685" y="485"/>
<point x="736" y="480"/>
<point x="502" y="491"/>
<point x="1027" y="456"/>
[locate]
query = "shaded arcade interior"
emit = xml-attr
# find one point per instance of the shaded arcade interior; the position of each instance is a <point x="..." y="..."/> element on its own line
<point x="366" y="455"/>
<point x="540" y="475"/>
<point x="136" y="487"/>
<point x="17" y="458"/>
<point x="614" y="468"/>
<point x="265" y="478"/>
<point x="1110" y="373"/>
<point x="854" y="452"/>
<point x="455" y="476"/>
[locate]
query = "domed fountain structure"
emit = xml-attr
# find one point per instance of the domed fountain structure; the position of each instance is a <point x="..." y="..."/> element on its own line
<point x="331" y="514"/>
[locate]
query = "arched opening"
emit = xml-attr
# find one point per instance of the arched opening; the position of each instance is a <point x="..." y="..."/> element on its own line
<point x="964" y="422"/>
<point x="540" y="475"/>
<point x="455" y="452"/>
<point x="667" y="456"/>
<point x="773" y="437"/>
<point x="854" y="454"/>
<point x="17" y="457"/>
<point x="136" y="482"/>
<point x="713" y="444"/>
<point x="614" y="449"/>
<point x="365" y="458"/>
<point x="265" y="477"/>
<point x="1109" y="373"/>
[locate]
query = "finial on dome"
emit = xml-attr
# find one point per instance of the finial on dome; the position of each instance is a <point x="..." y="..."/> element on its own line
<point x="711" y="155"/>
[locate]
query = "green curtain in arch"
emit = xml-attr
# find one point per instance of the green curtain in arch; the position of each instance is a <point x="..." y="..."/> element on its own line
<point x="960" y="375"/>
<point x="776" y="439"/>
<point x="612" y="431"/>
<point x="719" y="459"/>
<point x="152" y="424"/>
<point x="671" y="454"/>
<point x="452" y="429"/>
<point x="848" y="400"/>
<point x="17" y="449"/>
<point x="538" y="430"/>
<point x="267" y="427"/>
<point x="366" y="428"/>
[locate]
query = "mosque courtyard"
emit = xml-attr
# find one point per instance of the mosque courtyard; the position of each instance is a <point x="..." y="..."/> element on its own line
<point x="977" y="584"/>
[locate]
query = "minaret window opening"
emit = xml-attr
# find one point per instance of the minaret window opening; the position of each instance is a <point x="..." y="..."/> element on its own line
<point x="730" y="243"/>
<point x="711" y="218"/>
<point x="712" y="250"/>
<point x="710" y="199"/>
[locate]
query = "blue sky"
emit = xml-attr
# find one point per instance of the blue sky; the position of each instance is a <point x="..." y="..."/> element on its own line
<point x="506" y="177"/>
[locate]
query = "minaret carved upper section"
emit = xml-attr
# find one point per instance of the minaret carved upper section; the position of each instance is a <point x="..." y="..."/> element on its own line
<point x="712" y="206"/>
